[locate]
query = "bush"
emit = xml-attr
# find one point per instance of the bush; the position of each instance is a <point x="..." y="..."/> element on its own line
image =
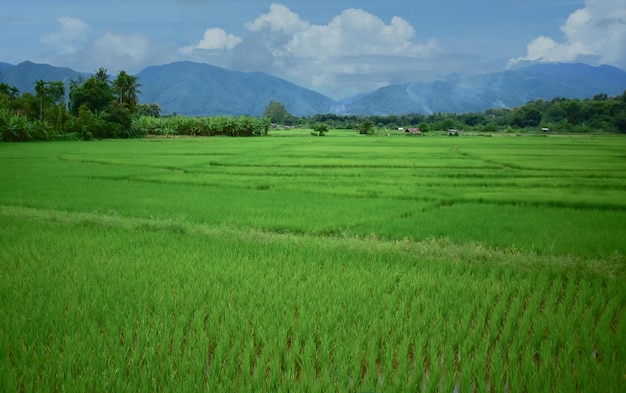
<point x="38" y="130"/>
<point x="14" y="127"/>
<point x="366" y="127"/>
<point x="321" y="129"/>
<point x="201" y="126"/>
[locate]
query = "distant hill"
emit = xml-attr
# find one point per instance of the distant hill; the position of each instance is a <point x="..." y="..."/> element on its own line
<point x="24" y="75"/>
<point x="197" y="89"/>
<point x="476" y="93"/>
<point x="201" y="89"/>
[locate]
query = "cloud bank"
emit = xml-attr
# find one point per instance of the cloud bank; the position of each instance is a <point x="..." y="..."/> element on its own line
<point x="71" y="35"/>
<point x="595" y="33"/>
<point x="72" y="47"/>
<point x="355" y="47"/>
<point x="353" y="52"/>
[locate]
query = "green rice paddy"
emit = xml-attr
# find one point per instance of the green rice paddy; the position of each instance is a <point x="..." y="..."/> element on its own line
<point x="298" y="263"/>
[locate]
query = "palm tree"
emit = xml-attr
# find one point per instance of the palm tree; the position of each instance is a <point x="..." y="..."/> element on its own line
<point x="102" y="75"/>
<point x="13" y="92"/>
<point x="9" y="91"/>
<point x="40" y="89"/>
<point x="127" y="89"/>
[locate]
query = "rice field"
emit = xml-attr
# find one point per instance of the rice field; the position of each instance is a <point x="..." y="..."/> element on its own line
<point x="296" y="263"/>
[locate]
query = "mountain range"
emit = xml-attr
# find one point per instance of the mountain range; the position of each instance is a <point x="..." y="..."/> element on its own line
<point x="198" y="89"/>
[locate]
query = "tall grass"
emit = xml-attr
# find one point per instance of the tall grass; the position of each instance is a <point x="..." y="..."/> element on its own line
<point x="313" y="264"/>
<point x="110" y="303"/>
<point x="347" y="186"/>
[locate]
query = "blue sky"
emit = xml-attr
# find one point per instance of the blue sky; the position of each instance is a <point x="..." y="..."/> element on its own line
<point x="337" y="47"/>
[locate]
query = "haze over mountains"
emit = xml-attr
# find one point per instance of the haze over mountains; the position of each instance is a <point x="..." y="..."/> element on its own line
<point x="198" y="89"/>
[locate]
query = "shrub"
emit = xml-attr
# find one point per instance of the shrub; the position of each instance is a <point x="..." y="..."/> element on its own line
<point x="366" y="128"/>
<point x="321" y="129"/>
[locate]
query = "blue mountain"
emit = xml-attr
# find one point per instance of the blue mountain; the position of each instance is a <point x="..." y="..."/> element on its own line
<point x="198" y="89"/>
<point x="201" y="89"/>
<point x="24" y="75"/>
<point x="476" y="93"/>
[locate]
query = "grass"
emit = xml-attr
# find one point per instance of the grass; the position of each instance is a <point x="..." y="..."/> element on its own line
<point x="341" y="263"/>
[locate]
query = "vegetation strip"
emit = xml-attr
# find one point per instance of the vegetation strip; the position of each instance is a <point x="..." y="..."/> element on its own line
<point x="432" y="249"/>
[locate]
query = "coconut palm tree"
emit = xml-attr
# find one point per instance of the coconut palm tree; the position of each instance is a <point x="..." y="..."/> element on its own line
<point x="40" y="89"/>
<point x="127" y="88"/>
<point x="102" y="75"/>
<point x="9" y="91"/>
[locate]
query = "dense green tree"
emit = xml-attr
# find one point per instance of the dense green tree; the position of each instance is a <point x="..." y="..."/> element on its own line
<point x="574" y="112"/>
<point x="554" y="113"/>
<point x="49" y="94"/>
<point x="321" y="129"/>
<point x="424" y="127"/>
<point x="526" y="116"/>
<point x="94" y="93"/>
<point x="278" y="114"/>
<point x="127" y="87"/>
<point x="10" y="92"/>
<point x="27" y="104"/>
<point x="40" y="89"/>
<point x="151" y="110"/>
<point x="620" y="121"/>
<point x="121" y="114"/>
<point x="102" y="75"/>
<point x="366" y="127"/>
<point x="472" y="119"/>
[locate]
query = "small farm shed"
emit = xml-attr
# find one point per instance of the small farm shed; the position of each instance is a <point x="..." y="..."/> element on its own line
<point x="413" y="131"/>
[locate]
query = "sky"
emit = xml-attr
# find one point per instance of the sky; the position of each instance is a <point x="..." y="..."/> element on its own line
<point x="337" y="47"/>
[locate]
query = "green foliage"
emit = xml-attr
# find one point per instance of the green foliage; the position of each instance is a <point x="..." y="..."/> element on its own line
<point x="277" y="113"/>
<point x="120" y="114"/>
<point x="526" y="116"/>
<point x="152" y="110"/>
<point x="127" y="87"/>
<point x="8" y="91"/>
<point x="116" y="113"/>
<point x="13" y="126"/>
<point x="366" y="127"/>
<point x="321" y="129"/>
<point x="94" y="93"/>
<point x="200" y="126"/>
<point x="39" y="131"/>
<point x="601" y="114"/>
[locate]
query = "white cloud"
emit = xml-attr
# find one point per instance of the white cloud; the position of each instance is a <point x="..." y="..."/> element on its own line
<point x="278" y="19"/>
<point x="130" y="52"/>
<point x="358" y="49"/>
<point x="73" y="32"/>
<point x="72" y="48"/>
<point x="598" y="30"/>
<point x="114" y="52"/>
<point x="357" y="32"/>
<point x="355" y="48"/>
<point x="214" y="38"/>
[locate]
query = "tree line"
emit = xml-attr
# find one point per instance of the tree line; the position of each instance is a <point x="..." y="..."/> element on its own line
<point x="101" y="107"/>
<point x="96" y="107"/>
<point x="598" y="114"/>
